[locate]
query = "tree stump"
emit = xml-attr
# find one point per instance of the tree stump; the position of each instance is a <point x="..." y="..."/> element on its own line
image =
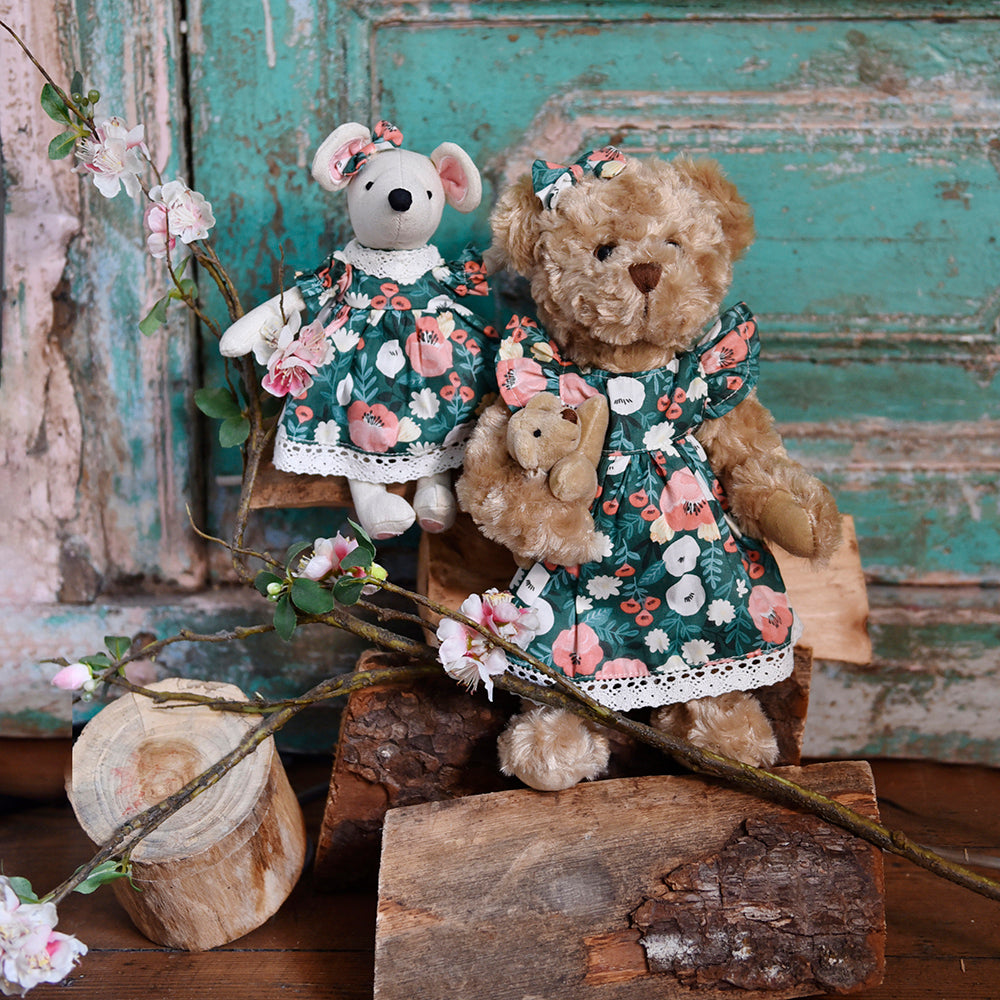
<point x="637" y="888"/>
<point x="223" y="863"/>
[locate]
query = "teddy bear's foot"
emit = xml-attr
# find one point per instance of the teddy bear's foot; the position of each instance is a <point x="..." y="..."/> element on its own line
<point x="434" y="502"/>
<point x="550" y="748"/>
<point x="382" y="514"/>
<point x="733" y="724"/>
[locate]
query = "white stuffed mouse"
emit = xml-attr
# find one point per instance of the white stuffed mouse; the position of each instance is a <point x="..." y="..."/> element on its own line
<point x="381" y="364"/>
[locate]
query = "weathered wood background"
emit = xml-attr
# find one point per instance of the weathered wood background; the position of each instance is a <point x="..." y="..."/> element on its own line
<point x="865" y="135"/>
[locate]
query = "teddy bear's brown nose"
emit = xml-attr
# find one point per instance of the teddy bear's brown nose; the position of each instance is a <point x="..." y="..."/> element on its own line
<point x="645" y="276"/>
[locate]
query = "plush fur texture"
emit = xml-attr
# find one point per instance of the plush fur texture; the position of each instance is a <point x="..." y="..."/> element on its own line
<point x="625" y="273"/>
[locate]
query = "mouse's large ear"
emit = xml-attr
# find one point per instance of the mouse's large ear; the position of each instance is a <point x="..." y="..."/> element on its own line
<point x="463" y="188"/>
<point x="515" y="224"/>
<point x="734" y="213"/>
<point x="335" y="153"/>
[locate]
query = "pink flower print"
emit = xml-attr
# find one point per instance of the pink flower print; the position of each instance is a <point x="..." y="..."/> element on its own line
<point x="390" y="298"/>
<point x="476" y="272"/>
<point x="573" y="390"/>
<point x="727" y="353"/>
<point x="683" y="503"/>
<point x="577" y="651"/>
<point x="303" y="413"/>
<point x="520" y="379"/>
<point x="622" y="667"/>
<point x="428" y="349"/>
<point x="372" y="428"/>
<point x="770" y="613"/>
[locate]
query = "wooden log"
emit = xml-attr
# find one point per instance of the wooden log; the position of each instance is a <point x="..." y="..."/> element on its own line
<point x="228" y="859"/>
<point x="665" y="887"/>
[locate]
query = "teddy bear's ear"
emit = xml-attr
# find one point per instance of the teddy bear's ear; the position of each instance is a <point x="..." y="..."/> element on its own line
<point x="341" y="144"/>
<point x="463" y="188"/>
<point x="734" y="213"/>
<point x="515" y="228"/>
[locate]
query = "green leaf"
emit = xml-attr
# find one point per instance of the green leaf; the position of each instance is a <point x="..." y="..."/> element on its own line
<point x="218" y="403"/>
<point x="186" y="289"/>
<point x="234" y="431"/>
<point x="54" y="106"/>
<point x="356" y="557"/>
<point x="118" y="645"/>
<point x="99" y="661"/>
<point x="310" y="597"/>
<point x="107" y="871"/>
<point x="62" y="145"/>
<point x="264" y="579"/>
<point x="155" y="318"/>
<point x="364" y="541"/>
<point x="348" y="589"/>
<point x="22" y="889"/>
<point x="285" y="618"/>
<point x="296" y="550"/>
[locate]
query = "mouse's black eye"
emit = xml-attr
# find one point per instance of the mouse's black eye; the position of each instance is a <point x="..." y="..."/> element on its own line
<point x="369" y="185"/>
<point x="430" y="195"/>
<point x="604" y="251"/>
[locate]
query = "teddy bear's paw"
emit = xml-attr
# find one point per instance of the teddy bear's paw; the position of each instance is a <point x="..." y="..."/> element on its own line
<point x="434" y="503"/>
<point x="550" y="749"/>
<point x="733" y="724"/>
<point x="806" y="524"/>
<point x="382" y="514"/>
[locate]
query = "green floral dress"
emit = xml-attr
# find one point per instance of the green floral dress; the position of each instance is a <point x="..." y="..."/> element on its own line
<point x="681" y="605"/>
<point x="407" y="367"/>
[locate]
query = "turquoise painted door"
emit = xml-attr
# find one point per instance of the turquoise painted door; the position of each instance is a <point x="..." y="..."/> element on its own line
<point x="865" y="136"/>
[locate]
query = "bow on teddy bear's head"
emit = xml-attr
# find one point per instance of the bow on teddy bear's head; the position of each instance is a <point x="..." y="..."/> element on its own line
<point x="395" y="197"/>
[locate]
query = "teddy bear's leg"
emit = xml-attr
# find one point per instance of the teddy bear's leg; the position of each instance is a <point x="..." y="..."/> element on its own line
<point x="733" y="724"/>
<point x="381" y="513"/>
<point x="434" y="502"/>
<point x="550" y="748"/>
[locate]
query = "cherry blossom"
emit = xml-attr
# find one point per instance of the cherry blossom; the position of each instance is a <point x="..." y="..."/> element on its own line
<point x="115" y="157"/>
<point x="176" y="212"/>
<point x="74" y="677"/>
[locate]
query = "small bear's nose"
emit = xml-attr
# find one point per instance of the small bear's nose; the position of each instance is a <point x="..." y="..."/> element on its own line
<point x="645" y="276"/>
<point x="400" y="199"/>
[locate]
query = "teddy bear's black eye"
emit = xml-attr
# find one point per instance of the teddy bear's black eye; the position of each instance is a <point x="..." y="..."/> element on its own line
<point x="369" y="185"/>
<point x="672" y="243"/>
<point x="605" y="250"/>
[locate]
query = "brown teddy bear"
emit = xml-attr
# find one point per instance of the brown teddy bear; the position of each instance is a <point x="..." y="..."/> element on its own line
<point x="656" y="594"/>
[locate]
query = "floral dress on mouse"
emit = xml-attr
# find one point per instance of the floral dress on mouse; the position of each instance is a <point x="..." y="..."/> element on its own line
<point x="681" y="605"/>
<point x="386" y="375"/>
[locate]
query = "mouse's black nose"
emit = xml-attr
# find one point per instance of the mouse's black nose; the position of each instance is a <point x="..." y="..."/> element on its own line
<point x="400" y="199"/>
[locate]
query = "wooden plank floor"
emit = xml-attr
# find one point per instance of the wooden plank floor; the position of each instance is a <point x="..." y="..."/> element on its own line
<point x="943" y="942"/>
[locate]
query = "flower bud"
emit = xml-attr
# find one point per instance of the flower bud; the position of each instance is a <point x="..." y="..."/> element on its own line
<point x="275" y="589"/>
<point x="378" y="572"/>
<point x="73" y="677"/>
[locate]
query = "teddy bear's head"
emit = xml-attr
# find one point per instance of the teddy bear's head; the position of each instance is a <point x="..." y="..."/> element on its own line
<point x="542" y="432"/>
<point x="626" y="266"/>
<point x="395" y="197"/>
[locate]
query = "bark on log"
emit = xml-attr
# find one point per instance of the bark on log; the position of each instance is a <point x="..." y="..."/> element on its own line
<point x="664" y="887"/>
<point x="228" y="859"/>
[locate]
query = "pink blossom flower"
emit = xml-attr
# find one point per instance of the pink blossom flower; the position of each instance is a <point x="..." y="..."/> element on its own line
<point x="31" y="950"/>
<point x="466" y="655"/>
<point x="73" y="677"/>
<point x="115" y="157"/>
<point x="297" y="357"/>
<point x="326" y="557"/>
<point x="428" y="348"/>
<point x="771" y="613"/>
<point x="577" y="651"/>
<point x="372" y="428"/>
<point x="176" y="212"/>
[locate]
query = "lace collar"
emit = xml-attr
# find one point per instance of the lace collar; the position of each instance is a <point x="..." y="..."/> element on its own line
<point x="402" y="266"/>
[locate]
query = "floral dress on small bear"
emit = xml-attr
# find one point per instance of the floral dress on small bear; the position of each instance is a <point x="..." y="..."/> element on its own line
<point x="681" y="605"/>
<point x="386" y="376"/>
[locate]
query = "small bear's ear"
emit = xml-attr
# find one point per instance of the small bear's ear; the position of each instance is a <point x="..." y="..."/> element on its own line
<point x="515" y="228"/>
<point x="734" y="213"/>
<point x="339" y="146"/>
<point x="463" y="187"/>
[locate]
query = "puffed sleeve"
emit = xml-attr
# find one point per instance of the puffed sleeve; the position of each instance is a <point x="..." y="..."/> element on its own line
<point x="728" y="360"/>
<point x="332" y="276"/>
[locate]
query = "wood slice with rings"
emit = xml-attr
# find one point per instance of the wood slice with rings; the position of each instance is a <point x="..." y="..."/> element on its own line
<point x="222" y="864"/>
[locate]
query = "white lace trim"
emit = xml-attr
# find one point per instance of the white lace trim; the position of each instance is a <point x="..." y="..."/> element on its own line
<point x="402" y="266"/>
<point x="310" y="458"/>
<point x="621" y="694"/>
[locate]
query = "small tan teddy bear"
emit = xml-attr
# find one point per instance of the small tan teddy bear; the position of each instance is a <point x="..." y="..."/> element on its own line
<point x="657" y="593"/>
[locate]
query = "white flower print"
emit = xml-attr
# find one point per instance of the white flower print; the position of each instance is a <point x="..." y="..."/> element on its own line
<point x="687" y="595"/>
<point x="606" y="548"/>
<point x="676" y="664"/>
<point x="345" y="340"/>
<point x="657" y="640"/>
<point x="698" y="389"/>
<point x="617" y="465"/>
<point x="603" y="587"/>
<point x="583" y="604"/>
<point x="327" y="432"/>
<point x="345" y="389"/>
<point x="741" y="588"/>
<point x="681" y="556"/>
<point x="408" y="430"/>
<point x="390" y="359"/>
<point x="698" y="651"/>
<point x="625" y="394"/>
<point x="721" y="612"/>
<point x="356" y="300"/>
<point x="421" y="448"/>
<point x="425" y="404"/>
<point x="660" y="437"/>
<point x="509" y="350"/>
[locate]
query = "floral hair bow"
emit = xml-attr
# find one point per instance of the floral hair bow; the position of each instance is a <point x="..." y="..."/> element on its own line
<point x="551" y="179"/>
<point x="353" y="156"/>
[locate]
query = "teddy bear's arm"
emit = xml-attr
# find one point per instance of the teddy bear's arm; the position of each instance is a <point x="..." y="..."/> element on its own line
<point x="771" y="495"/>
<point x="516" y="508"/>
<point x="575" y="476"/>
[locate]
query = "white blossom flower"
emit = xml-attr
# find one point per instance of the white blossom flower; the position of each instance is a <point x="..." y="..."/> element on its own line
<point x="657" y="640"/>
<point x="115" y="157"/>
<point x="697" y="651"/>
<point x="424" y="404"/>
<point x="603" y="587"/>
<point x="187" y="214"/>
<point x="721" y="612"/>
